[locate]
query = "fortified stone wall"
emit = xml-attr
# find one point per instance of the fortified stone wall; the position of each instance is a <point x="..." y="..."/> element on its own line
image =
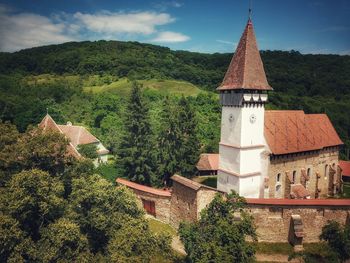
<point x="204" y="197"/>
<point x="317" y="164"/>
<point x="162" y="204"/>
<point x="273" y="222"/>
<point x="183" y="205"/>
<point x="272" y="217"/>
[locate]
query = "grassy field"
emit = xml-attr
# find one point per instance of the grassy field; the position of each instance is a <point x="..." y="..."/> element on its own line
<point x="346" y="190"/>
<point x="206" y="180"/>
<point x="122" y="87"/>
<point x="159" y="227"/>
<point x="108" y="83"/>
<point x="273" y="248"/>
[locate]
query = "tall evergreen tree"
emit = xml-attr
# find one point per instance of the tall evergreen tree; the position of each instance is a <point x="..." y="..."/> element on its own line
<point x="190" y="145"/>
<point x="137" y="153"/>
<point x="169" y="142"/>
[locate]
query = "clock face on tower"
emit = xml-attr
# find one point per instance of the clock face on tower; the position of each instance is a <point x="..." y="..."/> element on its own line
<point x="252" y="118"/>
<point x="231" y="118"/>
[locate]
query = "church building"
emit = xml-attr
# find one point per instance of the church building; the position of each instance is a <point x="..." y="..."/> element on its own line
<point x="271" y="153"/>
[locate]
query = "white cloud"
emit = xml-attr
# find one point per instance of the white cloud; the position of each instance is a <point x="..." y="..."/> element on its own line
<point x="226" y="42"/>
<point x="138" y="23"/>
<point x="24" y="30"/>
<point x="166" y="4"/>
<point x="333" y="29"/>
<point x="170" y="37"/>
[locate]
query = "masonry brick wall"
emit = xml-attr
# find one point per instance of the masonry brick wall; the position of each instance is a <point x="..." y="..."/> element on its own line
<point x="316" y="161"/>
<point x="183" y="204"/>
<point x="204" y="197"/>
<point x="162" y="204"/>
<point x="273" y="221"/>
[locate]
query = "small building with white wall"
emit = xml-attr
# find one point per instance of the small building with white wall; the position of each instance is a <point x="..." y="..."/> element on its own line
<point x="77" y="135"/>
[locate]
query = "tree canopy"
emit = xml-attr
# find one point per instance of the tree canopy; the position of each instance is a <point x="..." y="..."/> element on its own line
<point x="221" y="232"/>
<point x="67" y="214"/>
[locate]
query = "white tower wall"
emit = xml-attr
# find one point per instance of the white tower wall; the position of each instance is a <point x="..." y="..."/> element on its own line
<point x="241" y="149"/>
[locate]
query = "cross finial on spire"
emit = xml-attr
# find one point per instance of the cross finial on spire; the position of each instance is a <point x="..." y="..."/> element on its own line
<point x="250" y="10"/>
<point x="47" y="111"/>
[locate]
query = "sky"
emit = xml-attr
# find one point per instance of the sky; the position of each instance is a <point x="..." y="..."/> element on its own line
<point x="308" y="26"/>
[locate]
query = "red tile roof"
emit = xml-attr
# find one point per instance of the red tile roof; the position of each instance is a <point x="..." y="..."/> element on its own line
<point x="143" y="188"/>
<point x="246" y="70"/>
<point x="208" y="162"/>
<point x="298" y="202"/>
<point x="298" y="191"/>
<point x="295" y="131"/>
<point x="190" y="183"/>
<point x="345" y="166"/>
<point x="48" y="123"/>
<point x="78" y="135"/>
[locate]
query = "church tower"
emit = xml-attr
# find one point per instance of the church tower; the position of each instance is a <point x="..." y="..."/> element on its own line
<point x="243" y="94"/>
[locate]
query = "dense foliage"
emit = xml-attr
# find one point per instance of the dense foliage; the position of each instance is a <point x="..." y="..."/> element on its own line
<point x="338" y="238"/>
<point x="314" y="83"/>
<point x="88" y="151"/>
<point x="336" y="248"/>
<point x="221" y="232"/>
<point x="137" y="154"/>
<point x="55" y="209"/>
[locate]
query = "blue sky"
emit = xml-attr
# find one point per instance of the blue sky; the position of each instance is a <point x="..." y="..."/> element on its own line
<point x="309" y="26"/>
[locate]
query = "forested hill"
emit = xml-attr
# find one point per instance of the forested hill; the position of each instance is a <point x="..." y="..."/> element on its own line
<point x="313" y="83"/>
<point x="290" y="72"/>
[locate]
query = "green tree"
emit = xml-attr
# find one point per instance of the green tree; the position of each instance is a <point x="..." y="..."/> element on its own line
<point x="75" y="215"/>
<point x="169" y="142"/>
<point x="338" y="238"/>
<point x="137" y="151"/>
<point x="88" y="150"/>
<point x="34" y="149"/>
<point x="220" y="234"/>
<point x="11" y="236"/>
<point x="189" y="146"/>
<point x="62" y="241"/>
<point x="34" y="199"/>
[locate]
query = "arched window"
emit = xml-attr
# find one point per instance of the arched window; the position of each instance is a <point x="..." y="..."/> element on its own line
<point x="278" y="178"/>
<point x="308" y="173"/>
<point x="294" y="177"/>
<point x="278" y="191"/>
<point x="326" y="171"/>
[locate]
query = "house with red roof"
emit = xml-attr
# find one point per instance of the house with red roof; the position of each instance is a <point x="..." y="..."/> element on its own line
<point x="77" y="135"/>
<point x="208" y="164"/>
<point x="345" y="167"/>
<point x="271" y="153"/>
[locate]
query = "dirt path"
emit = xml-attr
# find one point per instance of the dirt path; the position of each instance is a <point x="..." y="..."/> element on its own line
<point x="274" y="258"/>
<point x="177" y="245"/>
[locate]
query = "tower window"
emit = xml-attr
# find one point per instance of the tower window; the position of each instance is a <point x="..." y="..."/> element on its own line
<point x="309" y="173"/>
<point x="294" y="176"/>
<point x="278" y="178"/>
<point x="326" y="171"/>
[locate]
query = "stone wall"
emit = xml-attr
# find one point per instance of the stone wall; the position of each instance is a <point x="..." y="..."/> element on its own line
<point x="183" y="205"/>
<point x="272" y="217"/>
<point x="204" y="198"/>
<point x="273" y="221"/>
<point x="162" y="204"/>
<point x="316" y="161"/>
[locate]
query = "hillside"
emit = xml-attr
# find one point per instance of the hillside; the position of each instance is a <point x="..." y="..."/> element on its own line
<point x="314" y="83"/>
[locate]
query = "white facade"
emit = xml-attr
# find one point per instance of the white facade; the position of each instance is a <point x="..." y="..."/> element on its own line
<point x="243" y="160"/>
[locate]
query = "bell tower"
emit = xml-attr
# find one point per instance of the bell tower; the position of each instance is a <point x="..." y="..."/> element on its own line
<point x="243" y="94"/>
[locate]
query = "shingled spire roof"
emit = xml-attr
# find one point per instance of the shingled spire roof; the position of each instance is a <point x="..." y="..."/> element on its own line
<point x="246" y="70"/>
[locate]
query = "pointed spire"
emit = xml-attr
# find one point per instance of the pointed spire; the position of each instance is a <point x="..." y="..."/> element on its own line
<point x="48" y="123"/>
<point x="246" y="70"/>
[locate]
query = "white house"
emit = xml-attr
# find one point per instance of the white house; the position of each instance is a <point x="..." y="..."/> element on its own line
<point x="77" y="136"/>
